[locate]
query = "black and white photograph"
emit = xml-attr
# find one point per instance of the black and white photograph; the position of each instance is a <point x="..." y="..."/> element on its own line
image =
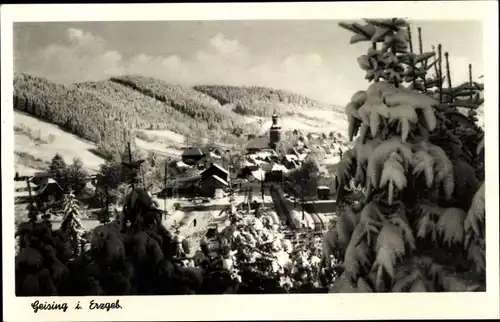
<point x="243" y="156"/>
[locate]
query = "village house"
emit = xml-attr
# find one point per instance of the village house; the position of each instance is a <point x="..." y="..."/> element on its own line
<point x="48" y="191"/>
<point x="290" y="161"/>
<point x="21" y="190"/>
<point x="180" y="187"/>
<point x="213" y="187"/>
<point x="192" y="156"/>
<point x="276" y="173"/>
<point x="212" y="153"/>
<point x="214" y="170"/>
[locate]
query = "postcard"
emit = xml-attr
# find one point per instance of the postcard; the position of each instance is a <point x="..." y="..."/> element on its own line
<point x="249" y="161"/>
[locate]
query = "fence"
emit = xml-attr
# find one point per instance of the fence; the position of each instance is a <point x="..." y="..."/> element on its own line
<point x="21" y="191"/>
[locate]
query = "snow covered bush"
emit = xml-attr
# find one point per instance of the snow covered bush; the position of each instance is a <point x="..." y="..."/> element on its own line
<point x="420" y="227"/>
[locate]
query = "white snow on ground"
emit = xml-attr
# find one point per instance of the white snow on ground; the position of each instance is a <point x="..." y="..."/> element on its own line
<point x="87" y="223"/>
<point x="158" y="148"/>
<point x="331" y="160"/>
<point x="314" y="120"/>
<point x="25" y="171"/>
<point x="168" y="135"/>
<point x="69" y="146"/>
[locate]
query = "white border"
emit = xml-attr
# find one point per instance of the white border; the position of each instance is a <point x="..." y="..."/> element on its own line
<point x="345" y="306"/>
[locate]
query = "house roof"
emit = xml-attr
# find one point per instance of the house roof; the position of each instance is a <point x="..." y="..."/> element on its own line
<point x="248" y="164"/>
<point x="279" y="167"/>
<point x="181" y="164"/>
<point x="216" y="166"/>
<point x="45" y="183"/>
<point x="219" y="179"/>
<point x="259" y="174"/>
<point x="211" y="149"/>
<point x="191" y="152"/>
<point x="214" y="155"/>
<point x="291" y="157"/>
<point x="264" y="154"/>
<point x="259" y="143"/>
<point x="265" y="166"/>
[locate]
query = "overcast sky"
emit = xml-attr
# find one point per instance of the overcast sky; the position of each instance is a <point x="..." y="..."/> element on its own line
<point x="308" y="57"/>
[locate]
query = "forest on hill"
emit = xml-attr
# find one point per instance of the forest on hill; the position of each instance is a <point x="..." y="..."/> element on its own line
<point x="257" y="100"/>
<point x="110" y="112"/>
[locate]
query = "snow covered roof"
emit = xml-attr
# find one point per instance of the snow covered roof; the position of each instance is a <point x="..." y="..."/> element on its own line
<point x="214" y="155"/>
<point x="259" y="174"/>
<point x="247" y="164"/>
<point x="216" y="166"/>
<point x="45" y="183"/>
<point x="279" y="167"/>
<point x="259" y="162"/>
<point x="263" y="154"/>
<point x="266" y="166"/>
<point x="323" y="187"/>
<point x="224" y="182"/>
<point x="291" y="157"/>
<point x="181" y="164"/>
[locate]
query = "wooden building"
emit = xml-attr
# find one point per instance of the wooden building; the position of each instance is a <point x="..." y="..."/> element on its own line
<point x="48" y="191"/>
<point x="213" y="186"/>
<point x="214" y="169"/>
<point x="192" y="156"/>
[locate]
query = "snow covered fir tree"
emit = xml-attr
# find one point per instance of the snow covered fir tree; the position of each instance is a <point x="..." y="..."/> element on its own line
<point x="71" y="224"/>
<point x="421" y="227"/>
<point x="410" y="207"/>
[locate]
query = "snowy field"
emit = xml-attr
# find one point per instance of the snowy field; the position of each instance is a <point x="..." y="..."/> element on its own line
<point x="69" y="146"/>
<point x="158" y="148"/>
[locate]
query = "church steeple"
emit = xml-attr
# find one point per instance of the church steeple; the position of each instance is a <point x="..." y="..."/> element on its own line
<point x="275" y="131"/>
<point x="275" y="118"/>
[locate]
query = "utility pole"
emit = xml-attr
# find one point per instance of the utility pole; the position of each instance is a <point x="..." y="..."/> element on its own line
<point x="29" y="191"/>
<point x="130" y="160"/>
<point x="165" y="187"/>
<point x="302" y="200"/>
<point x="229" y="167"/>
<point x="143" y="180"/>
<point x="31" y="207"/>
<point x="262" y="185"/>
<point x="106" y="210"/>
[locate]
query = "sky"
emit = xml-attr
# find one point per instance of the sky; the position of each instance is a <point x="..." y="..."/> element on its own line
<point x="308" y="57"/>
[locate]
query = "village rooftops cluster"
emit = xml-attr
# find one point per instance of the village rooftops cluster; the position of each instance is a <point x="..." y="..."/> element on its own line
<point x="194" y="155"/>
<point x="261" y="161"/>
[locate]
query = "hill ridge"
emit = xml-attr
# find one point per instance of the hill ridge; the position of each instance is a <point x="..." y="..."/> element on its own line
<point x="110" y="112"/>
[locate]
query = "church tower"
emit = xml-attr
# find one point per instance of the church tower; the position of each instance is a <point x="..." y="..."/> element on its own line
<point x="274" y="132"/>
